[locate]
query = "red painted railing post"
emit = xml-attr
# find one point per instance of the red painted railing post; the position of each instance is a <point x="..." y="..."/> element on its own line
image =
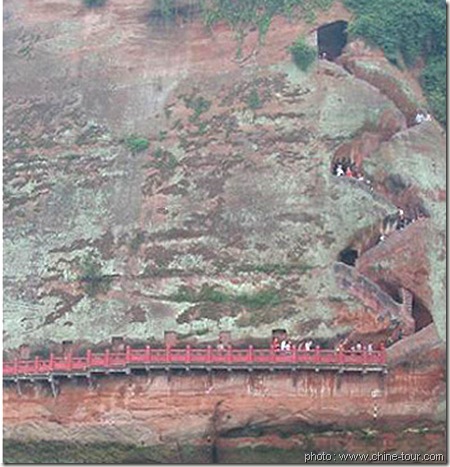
<point x="341" y="356"/>
<point x="272" y="354"/>
<point x="294" y="354"/>
<point x="36" y="364"/>
<point x="209" y="354"/>
<point x="106" y="358"/>
<point x="128" y="354"/>
<point x="188" y="354"/>
<point x="148" y="354"/>
<point x="364" y="357"/>
<point x="88" y="357"/>
<point x="69" y="361"/>
<point x="229" y="353"/>
<point x="317" y="354"/>
<point x="16" y="366"/>
<point x="52" y="362"/>
<point x="167" y="353"/>
<point x="250" y="354"/>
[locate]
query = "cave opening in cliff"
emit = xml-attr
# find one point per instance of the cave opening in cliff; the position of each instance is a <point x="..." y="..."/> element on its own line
<point x="421" y="314"/>
<point x="331" y="39"/>
<point x="348" y="256"/>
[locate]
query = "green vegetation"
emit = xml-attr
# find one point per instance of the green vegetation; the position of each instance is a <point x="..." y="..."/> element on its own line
<point x="267" y="268"/>
<point x="368" y="434"/>
<point x="407" y="30"/>
<point x="202" y="128"/>
<point x="166" y="9"/>
<point x="253" y="100"/>
<point x="302" y="53"/>
<point x="163" y="159"/>
<point x="136" y="143"/>
<point x="92" y="277"/>
<point x="94" y="3"/>
<point x="59" y="452"/>
<point x="276" y="268"/>
<point x="137" y="241"/>
<point x="433" y="81"/>
<point x="210" y="294"/>
<point x="198" y="104"/>
<point x="269" y="297"/>
<point x="158" y="153"/>
<point x="244" y="15"/>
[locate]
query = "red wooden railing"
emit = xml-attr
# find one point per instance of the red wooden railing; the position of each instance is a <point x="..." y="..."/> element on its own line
<point x="188" y="355"/>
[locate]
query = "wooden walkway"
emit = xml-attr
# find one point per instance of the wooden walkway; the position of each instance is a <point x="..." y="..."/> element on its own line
<point x="207" y="359"/>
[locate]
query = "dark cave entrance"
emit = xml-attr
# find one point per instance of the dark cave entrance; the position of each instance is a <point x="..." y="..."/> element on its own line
<point x="331" y="39"/>
<point x="348" y="256"/>
<point x="421" y="314"/>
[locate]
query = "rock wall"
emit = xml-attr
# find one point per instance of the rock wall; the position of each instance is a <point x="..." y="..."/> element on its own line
<point x="159" y="408"/>
<point x="227" y="197"/>
<point x="229" y="220"/>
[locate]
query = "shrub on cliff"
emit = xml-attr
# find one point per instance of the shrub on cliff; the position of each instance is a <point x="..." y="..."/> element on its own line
<point x="136" y="143"/>
<point x="94" y="3"/>
<point x="402" y="28"/>
<point x="92" y="277"/>
<point x="253" y="100"/>
<point x="244" y="15"/>
<point x="166" y="9"/>
<point x="302" y="53"/>
<point x="433" y="81"/>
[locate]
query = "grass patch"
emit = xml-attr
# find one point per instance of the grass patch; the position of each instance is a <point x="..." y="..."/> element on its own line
<point x="94" y="3"/>
<point x="92" y="277"/>
<point x="245" y="15"/>
<point x="166" y="9"/>
<point x="136" y="143"/>
<point x="267" y="268"/>
<point x="276" y="268"/>
<point x="303" y="268"/>
<point x="260" y="299"/>
<point x="158" y="153"/>
<point x="253" y="100"/>
<point x="199" y="105"/>
<point x="211" y="294"/>
<point x="164" y="160"/>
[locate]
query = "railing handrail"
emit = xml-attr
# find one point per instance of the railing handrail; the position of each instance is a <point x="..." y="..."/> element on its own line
<point x="189" y="355"/>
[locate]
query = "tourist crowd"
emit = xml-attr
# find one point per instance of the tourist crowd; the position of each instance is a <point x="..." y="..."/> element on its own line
<point x="286" y="345"/>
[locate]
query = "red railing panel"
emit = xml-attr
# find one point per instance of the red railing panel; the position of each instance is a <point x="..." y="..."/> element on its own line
<point x="191" y="355"/>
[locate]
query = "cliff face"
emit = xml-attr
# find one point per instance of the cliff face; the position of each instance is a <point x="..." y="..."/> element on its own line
<point x="230" y="219"/>
<point x="234" y="193"/>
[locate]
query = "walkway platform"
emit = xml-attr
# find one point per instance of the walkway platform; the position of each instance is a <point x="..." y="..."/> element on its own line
<point x="193" y="359"/>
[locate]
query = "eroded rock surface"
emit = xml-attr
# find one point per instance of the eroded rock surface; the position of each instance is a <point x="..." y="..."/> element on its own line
<point x="230" y="195"/>
<point x="230" y="220"/>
